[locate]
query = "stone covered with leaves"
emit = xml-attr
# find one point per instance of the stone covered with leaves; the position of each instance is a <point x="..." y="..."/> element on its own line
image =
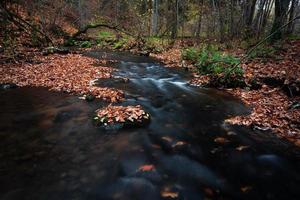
<point x="121" y="117"/>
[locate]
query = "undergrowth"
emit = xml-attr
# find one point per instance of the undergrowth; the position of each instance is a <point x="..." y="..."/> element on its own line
<point x="223" y="69"/>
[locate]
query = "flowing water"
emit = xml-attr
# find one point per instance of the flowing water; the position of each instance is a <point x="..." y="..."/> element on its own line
<point x="49" y="148"/>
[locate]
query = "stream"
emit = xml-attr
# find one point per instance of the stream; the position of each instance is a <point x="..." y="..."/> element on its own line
<point x="50" y="149"/>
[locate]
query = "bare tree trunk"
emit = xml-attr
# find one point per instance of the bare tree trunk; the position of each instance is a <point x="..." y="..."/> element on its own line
<point x="232" y="32"/>
<point x="176" y="21"/>
<point x="154" y="22"/>
<point x="291" y="26"/>
<point x="265" y="16"/>
<point x="249" y="11"/>
<point x="221" y="21"/>
<point x="259" y="16"/>
<point x="80" y="13"/>
<point x="198" y="30"/>
<point x="281" y="10"/>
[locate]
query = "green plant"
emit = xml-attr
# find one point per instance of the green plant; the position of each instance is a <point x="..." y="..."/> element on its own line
<point x="293" y="37"/>
<point x="211" y="61"/>
<point x="263" y="52"/>
<point x="154" y="44"/>
<point x="106" y="36"/>
<point x="119" y="44"/>
<point x="192" y="54"/>
<point x="70" y="42"/>
<point x="86" y="44"/>
<point x="223" y="69"/>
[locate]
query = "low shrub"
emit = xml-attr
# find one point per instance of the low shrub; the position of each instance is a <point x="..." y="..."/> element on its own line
<point x="86" y="44"/>
<point x="70" y="42"/>
<point x="263" y="52"/>
<point x="223" y="69"/>
<point x="190" y="54"/>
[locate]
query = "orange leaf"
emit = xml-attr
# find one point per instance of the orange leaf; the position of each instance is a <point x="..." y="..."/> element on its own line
<point x="167" y="194"/>
<point x="145" y="168"/>
<point x="221" y="140"/>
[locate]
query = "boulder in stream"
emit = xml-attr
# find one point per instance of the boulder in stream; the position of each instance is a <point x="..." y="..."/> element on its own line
<point x="121" y="117"/>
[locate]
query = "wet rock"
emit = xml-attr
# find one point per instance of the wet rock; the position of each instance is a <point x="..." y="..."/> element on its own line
<point x="52" y="50"/>
<point x="294" y="105"/>
<point x="7" y="86"/>
<point x="133" y="188"/>
<point x="137" y="167"/>
<point x="108" y="82"/>
<point x="189" y="170"/>
<point x="273" y="81"/>
<point x="254" y="84"/>
<point x="292" y="89"/>
<point x="64" y="116"/>
<point x="14" y="194"/>
<point x="128" y="189"/>
<point x="89" y="97"/>
<point x="144" y="53"/>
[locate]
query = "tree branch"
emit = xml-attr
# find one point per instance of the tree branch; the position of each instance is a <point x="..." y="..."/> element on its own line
<point x="91" y="26"/>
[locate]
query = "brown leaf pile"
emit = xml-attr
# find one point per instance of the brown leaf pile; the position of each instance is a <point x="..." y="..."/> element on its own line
<point x="270" y="111"/>
<point x="271" y="106"/>
<point x="121" y="114"/>
<point x="171" y="57"/>
<point x="70" y="73"/>
<point x="284" y="65"/>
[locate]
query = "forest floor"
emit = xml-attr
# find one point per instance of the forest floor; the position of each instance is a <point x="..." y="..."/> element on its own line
<point x="272" y="109"/>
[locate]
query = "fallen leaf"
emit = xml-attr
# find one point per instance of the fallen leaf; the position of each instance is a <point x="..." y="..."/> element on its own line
<point x="167" y="138"/>
<point x="246" y="188"/>
<point x="168" y="194"/>
<point x="179" y="143"/>
<point x="221" y="140"/>
<point x="241" y="148"/>
<point x="145" y="168"/>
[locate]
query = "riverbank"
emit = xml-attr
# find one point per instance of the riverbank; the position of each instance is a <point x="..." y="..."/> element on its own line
<point x="272" y="109"/>
<point x="71" y="73"/>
